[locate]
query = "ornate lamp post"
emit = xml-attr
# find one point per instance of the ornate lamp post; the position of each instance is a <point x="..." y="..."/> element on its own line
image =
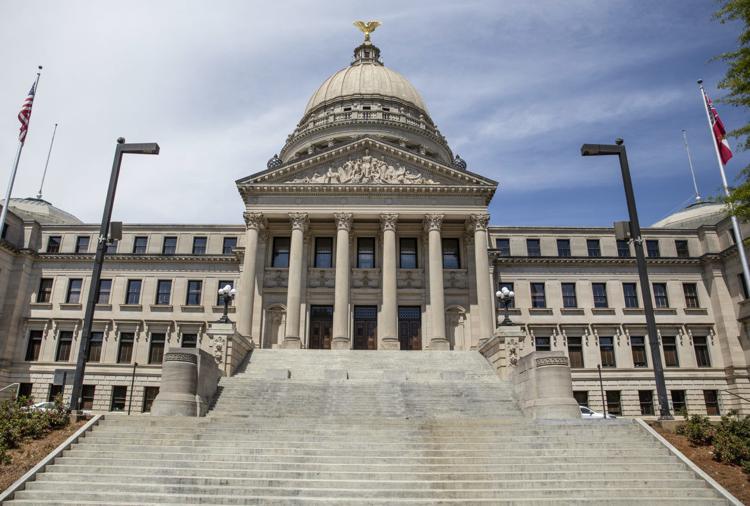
<point x="226" y="293"/>
<point x="506" y="298"/>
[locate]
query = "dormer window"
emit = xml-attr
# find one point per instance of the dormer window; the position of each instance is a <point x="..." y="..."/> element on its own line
<point x="347" y="109"/>
<point x="366" y="107"/>
<point x="387" y="109"/>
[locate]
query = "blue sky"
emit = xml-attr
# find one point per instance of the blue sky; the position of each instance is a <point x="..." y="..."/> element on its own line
<point x="516" y="87"/>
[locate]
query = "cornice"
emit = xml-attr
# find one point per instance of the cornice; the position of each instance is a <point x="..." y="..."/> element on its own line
<point x="577" y="260"/>
<point x="131" y="258"/>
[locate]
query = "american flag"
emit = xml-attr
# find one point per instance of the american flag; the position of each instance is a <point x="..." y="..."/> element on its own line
<point x="720" y="133"/>
<point x="25" y="115"/>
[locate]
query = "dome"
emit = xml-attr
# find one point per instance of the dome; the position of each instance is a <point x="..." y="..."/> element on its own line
<point x="41" y="211"/>
<point x="694" y="215"/>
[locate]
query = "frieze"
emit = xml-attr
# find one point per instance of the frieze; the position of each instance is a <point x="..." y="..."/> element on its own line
<point x="366" y="278"/>
<point x="176" y="356"/>
<point x="275" y="278"/>
<point x="321" y="278"/>
<point x="367" y="170"/>
<point x="410" y="278"/>
<point x="550" y="361"/>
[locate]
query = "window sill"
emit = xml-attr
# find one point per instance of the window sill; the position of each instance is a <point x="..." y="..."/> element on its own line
<point x="103" y="307"/>
<point x="66" y="306"/>
<point x="632" y="310"/>
<point x="571" y="311"/>
<point x="540" y="311"/>
<point x="696" y="311"/>
<point x="220" y="309"/>
<point x="40" y="305"/>
<point x="161" y="308"/>
<point x="665" y="310"/>
<point x="602" y="311"/>
<point x="191" y="309"/>
<point x="131" y="307"/>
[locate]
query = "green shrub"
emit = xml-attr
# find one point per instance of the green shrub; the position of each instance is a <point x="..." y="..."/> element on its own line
<point x="20" y="422"/>
<point x="732" y="439"/>
<point x="697" y="429"/>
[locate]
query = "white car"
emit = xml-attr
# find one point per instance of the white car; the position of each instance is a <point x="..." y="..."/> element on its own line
<point x="590" y="413"/>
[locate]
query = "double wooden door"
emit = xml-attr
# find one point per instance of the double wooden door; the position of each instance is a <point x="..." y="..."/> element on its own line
<point x="410" y="327"/>
<point x="321" y="327"/>
<point x="365" y="328"/>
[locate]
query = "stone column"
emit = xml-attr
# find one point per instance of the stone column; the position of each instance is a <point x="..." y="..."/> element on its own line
<point x="294" y="285"/>
<point x="246" y="291"/>
<point x="484" y="291"/>
<point x="388" y="330"/>
<point x="341" y="291"/>
<point x="433" y="223"/>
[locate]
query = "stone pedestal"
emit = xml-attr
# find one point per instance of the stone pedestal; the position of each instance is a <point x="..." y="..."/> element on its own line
<point x="501" y="349"/>
<point x="228" y="347"/>
<point x="188" y="383"/>
<point x="544" y="387"/>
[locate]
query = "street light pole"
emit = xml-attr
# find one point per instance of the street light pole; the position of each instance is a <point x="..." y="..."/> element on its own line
<point x="101" y="247"/>
<point x="635" y="234"/>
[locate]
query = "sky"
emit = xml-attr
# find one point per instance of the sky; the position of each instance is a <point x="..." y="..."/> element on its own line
<point x="515" y="87"/>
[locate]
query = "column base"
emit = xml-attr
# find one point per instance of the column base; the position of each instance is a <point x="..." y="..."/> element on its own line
<point x="389" y="343"/>
<point x="340" y="343"/>
<point x="291" y="343"/>
<point x="439" y="344"/>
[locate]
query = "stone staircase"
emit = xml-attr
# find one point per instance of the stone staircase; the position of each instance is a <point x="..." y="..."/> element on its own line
<point x="366" y="427"/>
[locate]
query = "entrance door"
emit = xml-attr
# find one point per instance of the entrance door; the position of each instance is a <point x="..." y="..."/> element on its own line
<point x="365" y="327"/>
<point x="321" y="327"/>
<point x="410" y="327"/>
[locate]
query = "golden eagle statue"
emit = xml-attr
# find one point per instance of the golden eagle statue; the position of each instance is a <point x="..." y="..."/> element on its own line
<point x="367" y="28"/>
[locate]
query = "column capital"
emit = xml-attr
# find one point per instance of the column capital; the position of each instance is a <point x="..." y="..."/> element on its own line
<point x="479" y="221"/>
<point x="299" y="221"/>
<point x="433" y="222"/>
<point x="343" y="221"/>
<point x="254" y="220"/>
<point x="388" y="221"/>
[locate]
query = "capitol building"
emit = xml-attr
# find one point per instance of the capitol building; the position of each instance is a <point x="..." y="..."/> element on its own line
<point x="368" y="232"/>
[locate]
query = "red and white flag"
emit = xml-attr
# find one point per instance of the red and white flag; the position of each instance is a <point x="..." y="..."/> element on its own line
<point x="720" y="134"/>
<point x="25" y="115"/>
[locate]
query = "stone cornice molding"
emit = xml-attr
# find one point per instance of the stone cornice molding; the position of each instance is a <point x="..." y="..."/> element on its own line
<point x="388" y="221"/>
<point x="143" y="259"/>
<point x="299" y="221"/>
<point x="254" y="220"/>
<point x="433" y="222"/>
<point x="500" y="259"/>
<point x="479" y="222"/>
<point x="344" y="221"/>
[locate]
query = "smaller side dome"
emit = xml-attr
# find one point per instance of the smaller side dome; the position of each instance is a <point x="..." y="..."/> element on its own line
<point x="274" y="162"/>
<point x="694" y="215"/>
<point x="42" y="212"/>
<point x="459" y="163"/>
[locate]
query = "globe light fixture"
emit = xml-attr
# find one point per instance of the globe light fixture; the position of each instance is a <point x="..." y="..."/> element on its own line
<point x="506" y="297"/>
<point x="226" y="293"/>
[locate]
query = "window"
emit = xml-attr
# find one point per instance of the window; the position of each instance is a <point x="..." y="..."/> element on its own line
<point x="169" y="246"/>
<point x="594" y="248"/>
<point x="53" y="244"/>
<point x="55" y="391"/>
<point x="702" y="357"/>
<point x="45" y="290"/>
<point x="87" y="396"/>
<point x="451" y="254"/>
<point x="323" y="252"/>
<point x="95" y="347"/>
<point x="541" y="343"/>
<point x="105" y="289"/>
<point x="678" y="401"/>
<point x="503" y="247"/>
<point x="222" y="284"/>
<point x="119" y="396"/>
<point x="652" y="248"/>
<point x="575" y="352"/>
<point x="638" y="345"/>
<point x="280" y="255"/>
<point x="156" y="348"/>
<point x="229" y="244"/>
<point x="365" y="252"/>
<point x="82" y="244"/>
<point x="563" y="247"/>
<point x="533" y="249"/>
<point x="189" y="340"/>
<point x="538" y="299"/>
<point x="691" y="295"/>
<point x="743" y="286"/>
<point x="407" y="247"/>
<point x="646" y="399"/>
<point x="660" y="295"/>
<point x="623" y="248"/>
<point x="125" y="350"/>
<point x="139" y="245"/>
<point x="24" y="390"/>
<point x="581" y="397"/>
<point x="110" y="247"/>
<point x="682" y="248"/>
<point x="64" y="343"/>
<point x="74" y="291"/>
<point x="509" y="286"/>
<point x="569" y="295"/>
<point x="607" y="351"/>
<point x="600" y="295"/>
<point x="163" y="292"/>
<point x="199" y="245"/>
<point x="712" y="402"/>
<point x="631" y="296"/>
<point x="149" y="395"/>
<point x="133" y="294"/>
<point x="613" y="402"/>
<point x="669" y="344"/>
<point x="194" y="292"/>
<point x="34" y="346"/>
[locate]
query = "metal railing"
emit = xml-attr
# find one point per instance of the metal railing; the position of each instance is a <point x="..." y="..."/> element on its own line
<point x="17" y="385"/>
<point x="737" y="395"/>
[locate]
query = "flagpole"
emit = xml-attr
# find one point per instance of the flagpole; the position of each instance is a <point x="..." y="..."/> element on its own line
<point x="735" y="223"/>
<point x="9" y="191"/>
<point x="44" y="174"/>
<point x="690" y="163"/>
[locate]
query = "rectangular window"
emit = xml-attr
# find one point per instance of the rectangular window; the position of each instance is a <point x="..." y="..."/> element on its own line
<point x="613" y="402"/>
<point x="631" y="295"/>
<point x="24" y="390"/>
<point x="53" y="244"/>
<point x="119" y="397"/>
<point x="700" y="344"/>
<point x="451" y="254"/>
<point x="691" y="295"/>
<point x="661" y="300"/>
<point x="194" y="293"/>
<point x="87" y="396"/>
<point x="607" y="351"/>
<point x="133" y="294"/>
<point x="646" y="399"/>
<point x="82" y="244"/>
<point x="509" y="286"/>
<point x="542" y="343"/>
<point x="600" y="295"/>
<point x="156" y="348"/>
<point x="623" y="248"/>
<point x="280" y="254"/>
<point x="575" y="352"/>
<point x="594" y="248"/>
<point x="169" y="246"/>
<point x="125" y="349"/>
<point x="55" y="391"/>
<point x="538" y="298"/>
<point x="581" y="397"/>
<point x="365" y="253"/>
<point x="222" y="284"/>
<point x="45" y="290"/>
<point x="563" y="247"/>
<point x="110" y="247"/>
<point x="712" y="402"/>
<point x="163" y="292"/>
<point x="199" y="245"/>
<point x="503" y="247"/>
<point x="139" y="245"/>
<point x="652" y="248"/>
<point x="678" y="401"/>
<point x="74" y="291"/>
<point x="189" y="340"/>
<point x="533" y="248"/>
<point x="682" y="248"/>
<point x="569" y="295"/>
<point x="105" y="290"/>
<point x="149" y="395"/>
<point x="743" y="286"/>
<point x="323" y="252"/>
<point x="407" y="247"/>
<point x="64" y="343"/>
<point x="228" y="246"/>
<point x="34" y="346"/>
<point x="95" y="347"/>
<point x="669" y="344"/>
<point x="638" y="345"/>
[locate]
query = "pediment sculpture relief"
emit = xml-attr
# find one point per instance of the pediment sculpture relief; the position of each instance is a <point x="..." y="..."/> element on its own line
<point x="366" y="170"/>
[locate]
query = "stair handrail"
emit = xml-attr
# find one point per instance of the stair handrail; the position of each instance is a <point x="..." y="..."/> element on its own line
<point x="17" y="385"/>
<point x="737" y="395"/>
